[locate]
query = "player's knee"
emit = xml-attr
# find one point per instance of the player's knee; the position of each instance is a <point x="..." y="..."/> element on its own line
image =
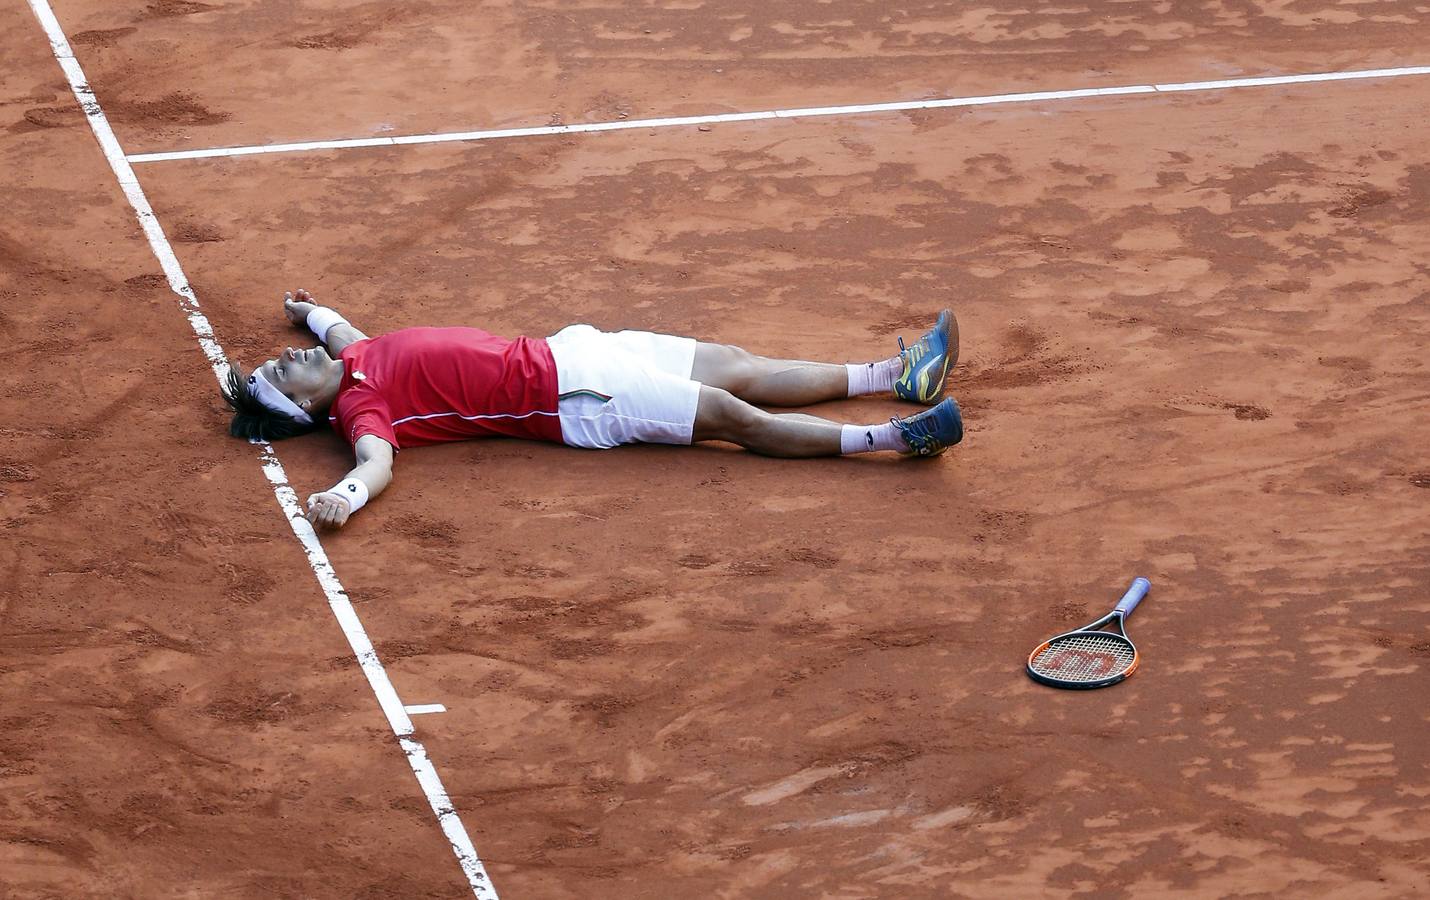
<point x="743" y="369"/>
<point x="725" y="366"/>
<point x="721" y="416"/>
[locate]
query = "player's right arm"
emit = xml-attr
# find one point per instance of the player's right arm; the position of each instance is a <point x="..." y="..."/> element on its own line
<point x="332" y="508"/>
<point x="297" y="307"/>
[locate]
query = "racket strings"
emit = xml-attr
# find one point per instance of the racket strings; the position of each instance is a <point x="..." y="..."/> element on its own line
<point x="1085" y="657"/>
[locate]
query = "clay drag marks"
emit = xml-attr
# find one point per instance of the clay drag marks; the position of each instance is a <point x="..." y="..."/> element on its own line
<point x="1195" y="349"/>
<point x="1195" y="345"/>
<point x="187" y="74"/>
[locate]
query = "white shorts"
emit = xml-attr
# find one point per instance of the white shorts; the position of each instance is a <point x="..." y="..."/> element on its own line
<point x="624" y="388"/>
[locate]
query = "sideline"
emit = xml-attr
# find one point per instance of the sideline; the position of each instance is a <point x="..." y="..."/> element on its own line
<point x="808" y="112"/>
<point x="342" y="607"/>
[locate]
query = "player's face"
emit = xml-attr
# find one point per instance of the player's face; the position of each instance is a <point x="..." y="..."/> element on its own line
<point x="298" y="373"/>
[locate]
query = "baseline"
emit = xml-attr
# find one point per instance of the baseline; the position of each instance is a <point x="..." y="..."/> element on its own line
<point x="807" y="112"/>
<point x="392" y="706"/>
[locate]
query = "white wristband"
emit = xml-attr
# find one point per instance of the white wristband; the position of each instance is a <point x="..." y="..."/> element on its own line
<point x="351" y="490"/>
<point x="322" y="319"/>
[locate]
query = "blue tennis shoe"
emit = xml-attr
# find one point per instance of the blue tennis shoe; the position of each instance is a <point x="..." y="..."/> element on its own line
<point x="926" y="363"/>
<point x="932" y="431"/>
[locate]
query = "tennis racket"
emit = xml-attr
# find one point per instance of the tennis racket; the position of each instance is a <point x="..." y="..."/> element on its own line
<point x="1091" y="657"/>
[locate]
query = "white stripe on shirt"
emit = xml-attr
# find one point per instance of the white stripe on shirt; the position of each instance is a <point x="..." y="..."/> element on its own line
<point x="535" y="412"/>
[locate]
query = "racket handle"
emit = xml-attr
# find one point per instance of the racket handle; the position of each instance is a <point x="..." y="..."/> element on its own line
<point x="1134" y="596"/>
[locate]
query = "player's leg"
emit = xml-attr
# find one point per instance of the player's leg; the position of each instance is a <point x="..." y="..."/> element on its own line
<point x="772" y="382"/>
<point x="721" y="416"/>
<point x="917" y="373"/>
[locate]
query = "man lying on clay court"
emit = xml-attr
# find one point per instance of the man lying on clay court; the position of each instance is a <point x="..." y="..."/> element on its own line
<point x="580" y="387"/>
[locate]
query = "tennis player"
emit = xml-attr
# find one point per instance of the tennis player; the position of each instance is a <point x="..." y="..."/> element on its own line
<point x="580" y="387"/>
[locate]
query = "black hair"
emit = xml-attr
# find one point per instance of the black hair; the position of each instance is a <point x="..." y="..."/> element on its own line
<point x="251" y="419"/>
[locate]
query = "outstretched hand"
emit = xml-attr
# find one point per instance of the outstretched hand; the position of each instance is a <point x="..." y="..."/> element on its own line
<point x="296" y="308"/>
<point x="327" y="510"/>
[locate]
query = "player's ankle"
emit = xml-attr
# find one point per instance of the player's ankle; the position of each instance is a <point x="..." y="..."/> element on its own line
<point x="874" y="377"/>
<point x="871" y="438"/>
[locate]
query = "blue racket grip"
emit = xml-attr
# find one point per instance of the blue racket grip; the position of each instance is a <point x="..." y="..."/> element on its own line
<point x="1134" y="596"/>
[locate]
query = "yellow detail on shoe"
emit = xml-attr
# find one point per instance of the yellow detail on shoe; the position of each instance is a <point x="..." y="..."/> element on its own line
<point x="911" y="359"/>
<point x="929" y="388"/>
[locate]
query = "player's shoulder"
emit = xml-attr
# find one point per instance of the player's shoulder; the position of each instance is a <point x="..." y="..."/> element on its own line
<point x="414" y="334"/>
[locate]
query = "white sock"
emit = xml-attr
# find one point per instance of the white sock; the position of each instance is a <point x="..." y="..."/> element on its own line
<point x="867" y="438"/>
<point x="874" y="377"/>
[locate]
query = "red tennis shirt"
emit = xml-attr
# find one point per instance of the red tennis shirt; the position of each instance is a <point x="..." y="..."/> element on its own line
<point x="427" y="385"/>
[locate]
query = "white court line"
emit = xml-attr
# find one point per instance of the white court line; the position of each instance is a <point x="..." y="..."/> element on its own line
<point x="424" y="708"/>
<point x="287" y="498"/>
<point x="1035" y="97"/>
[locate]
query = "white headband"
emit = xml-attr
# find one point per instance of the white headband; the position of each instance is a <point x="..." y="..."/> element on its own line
<point x="275" y="399"/>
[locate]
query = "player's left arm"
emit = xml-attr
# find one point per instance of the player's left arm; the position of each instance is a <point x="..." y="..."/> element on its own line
<point x="329" y="325"/>
<point x="332" y="508"/>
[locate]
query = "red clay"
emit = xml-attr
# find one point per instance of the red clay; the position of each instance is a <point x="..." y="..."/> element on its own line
<point x="274" y="72"/>
<point x="1194" y="348"/>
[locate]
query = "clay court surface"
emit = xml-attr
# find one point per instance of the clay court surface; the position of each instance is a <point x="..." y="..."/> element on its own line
<point x="1195" y="349"/>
